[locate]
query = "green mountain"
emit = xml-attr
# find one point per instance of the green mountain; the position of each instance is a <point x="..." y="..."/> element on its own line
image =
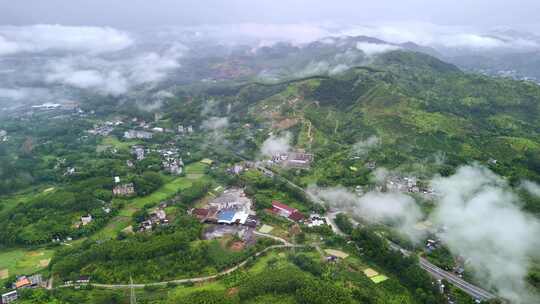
<point x="417" y="105"/>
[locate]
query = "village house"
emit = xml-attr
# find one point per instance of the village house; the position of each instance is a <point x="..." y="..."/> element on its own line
<point x="124" y="190"/>
<point x="69" y="171"/>
<point x="299" y="160"/>
<point x="135" y="134"/>
<point x="293" y="159"/>
<point x="28" y="281"/>
<point x="156" y="217"/>
<point x="86" y="219"/>
<point x="183" y="130"/>
<point x="286" y="211"/>
<point x="138" y="151"/>
<point x="9" y="297"/>
<point x="101" y="130"/>
<point x="47" y="106"/>
<point x="236" y="169"/>
<point x="173" y="166"/>
<point x="83" y="280"/>
<point x="315" y="220"/>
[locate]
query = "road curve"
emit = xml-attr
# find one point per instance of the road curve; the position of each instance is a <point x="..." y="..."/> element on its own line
<point x="196" y="279"/>
<point x="435" y="271"/>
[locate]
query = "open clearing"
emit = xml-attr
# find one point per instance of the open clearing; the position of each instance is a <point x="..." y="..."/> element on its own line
<point x="266" y="229"/>
<point x="378" y="279"/>
<point x="123" y="219"/>
<point x="336" y="253"/>
<point x="21" y="261"/>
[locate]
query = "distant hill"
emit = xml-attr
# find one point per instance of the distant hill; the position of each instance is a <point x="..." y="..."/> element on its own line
<point x="418" y="105"/>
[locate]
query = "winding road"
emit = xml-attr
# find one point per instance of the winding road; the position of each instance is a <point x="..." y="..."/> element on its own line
<point x="195" y="279"/>
<point x="436" y="272"/>
<point x="433" y="270"/>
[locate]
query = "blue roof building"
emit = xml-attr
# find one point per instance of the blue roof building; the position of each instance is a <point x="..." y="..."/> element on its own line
<point x="226" y="216"/>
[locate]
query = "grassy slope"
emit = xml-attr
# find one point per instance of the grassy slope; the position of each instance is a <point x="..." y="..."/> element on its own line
<point x="167" y="191"/>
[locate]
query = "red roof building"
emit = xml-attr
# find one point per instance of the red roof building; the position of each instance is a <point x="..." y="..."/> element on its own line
<point x="286" y="211"/>
<point x="199" y="212"/>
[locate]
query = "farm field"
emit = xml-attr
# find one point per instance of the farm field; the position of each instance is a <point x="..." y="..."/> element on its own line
<point x="23" y="261"/>
<point x="123" y="219"/>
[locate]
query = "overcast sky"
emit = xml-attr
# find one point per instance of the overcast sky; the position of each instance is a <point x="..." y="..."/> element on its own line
<point x="147" y="13"/>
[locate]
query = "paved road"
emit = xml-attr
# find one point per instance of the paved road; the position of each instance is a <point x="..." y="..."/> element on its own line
<point x="281" y="240"/>
<point x="472" y="290"/>
<point x="187" y="280"/>
<point x="433" y="270"/>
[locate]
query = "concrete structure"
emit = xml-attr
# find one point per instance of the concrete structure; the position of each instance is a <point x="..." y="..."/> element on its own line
<point x="9" y="297"/>
<point x="134" y="134"/>
<point x="286" y="211"/>
<point x="293" y="159"/>
<point x="85" y="220"/>
<point x="124" y="190"/>
<point x="138" y="151"/>
<point x="226" y="217"/>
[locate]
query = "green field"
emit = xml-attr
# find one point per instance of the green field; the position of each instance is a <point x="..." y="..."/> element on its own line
<point x="23" y="261"/>
<point x="123" y="220"/>
<point x="116" y="143"/>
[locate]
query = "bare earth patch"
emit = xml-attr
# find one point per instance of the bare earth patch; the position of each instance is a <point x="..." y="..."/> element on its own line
<point x="237" y="246"/>
<point x="232" y="291"/>
<point x="4" y="274"/>
<point x="44" y="262"/>
<point x="35" y="253"/>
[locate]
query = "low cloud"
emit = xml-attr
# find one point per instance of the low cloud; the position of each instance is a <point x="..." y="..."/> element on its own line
<point x="481" y="219"/>
<point x="442" y="37"/>
<point x="485" y="225"/>
<point x="43" y="37"/>
<point x="371" y="49"/>
<point x="12" y="94"/>
<point x="108" y="82"/>
<point x="114" y="77"/>
<point x="398" y="209"/>
<point x="276" y="144"/>
<point x="363" y="147"/>
<point x="531" y="187"/>
<point x="215" y="123"/>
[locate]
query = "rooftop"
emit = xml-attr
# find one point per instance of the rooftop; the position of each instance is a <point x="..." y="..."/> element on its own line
<point x="226" y="215"/>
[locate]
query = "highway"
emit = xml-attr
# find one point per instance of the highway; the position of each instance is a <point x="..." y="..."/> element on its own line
<point x="472" y="290"/>
<point x="436" y="272"/>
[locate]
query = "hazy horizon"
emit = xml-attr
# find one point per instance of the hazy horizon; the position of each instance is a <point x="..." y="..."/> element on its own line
<point x="482" y="14"/>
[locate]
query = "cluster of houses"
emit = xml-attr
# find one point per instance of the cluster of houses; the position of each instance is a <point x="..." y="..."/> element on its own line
<point x="138" y="152"/>
<point x="21" y="282"/>
<point x="156" y="218"/>
<point x="137" y="134"/>
<point x="105" y="128"/>
<point x="232" y="207"/>
<point x="315" y="220"/>
<point x="171" y="161"/>
<point x="124" y="190"/>
<point x="185" y="130"/>
<point x="298" y="160"/>
<point x="404" y="184"/>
